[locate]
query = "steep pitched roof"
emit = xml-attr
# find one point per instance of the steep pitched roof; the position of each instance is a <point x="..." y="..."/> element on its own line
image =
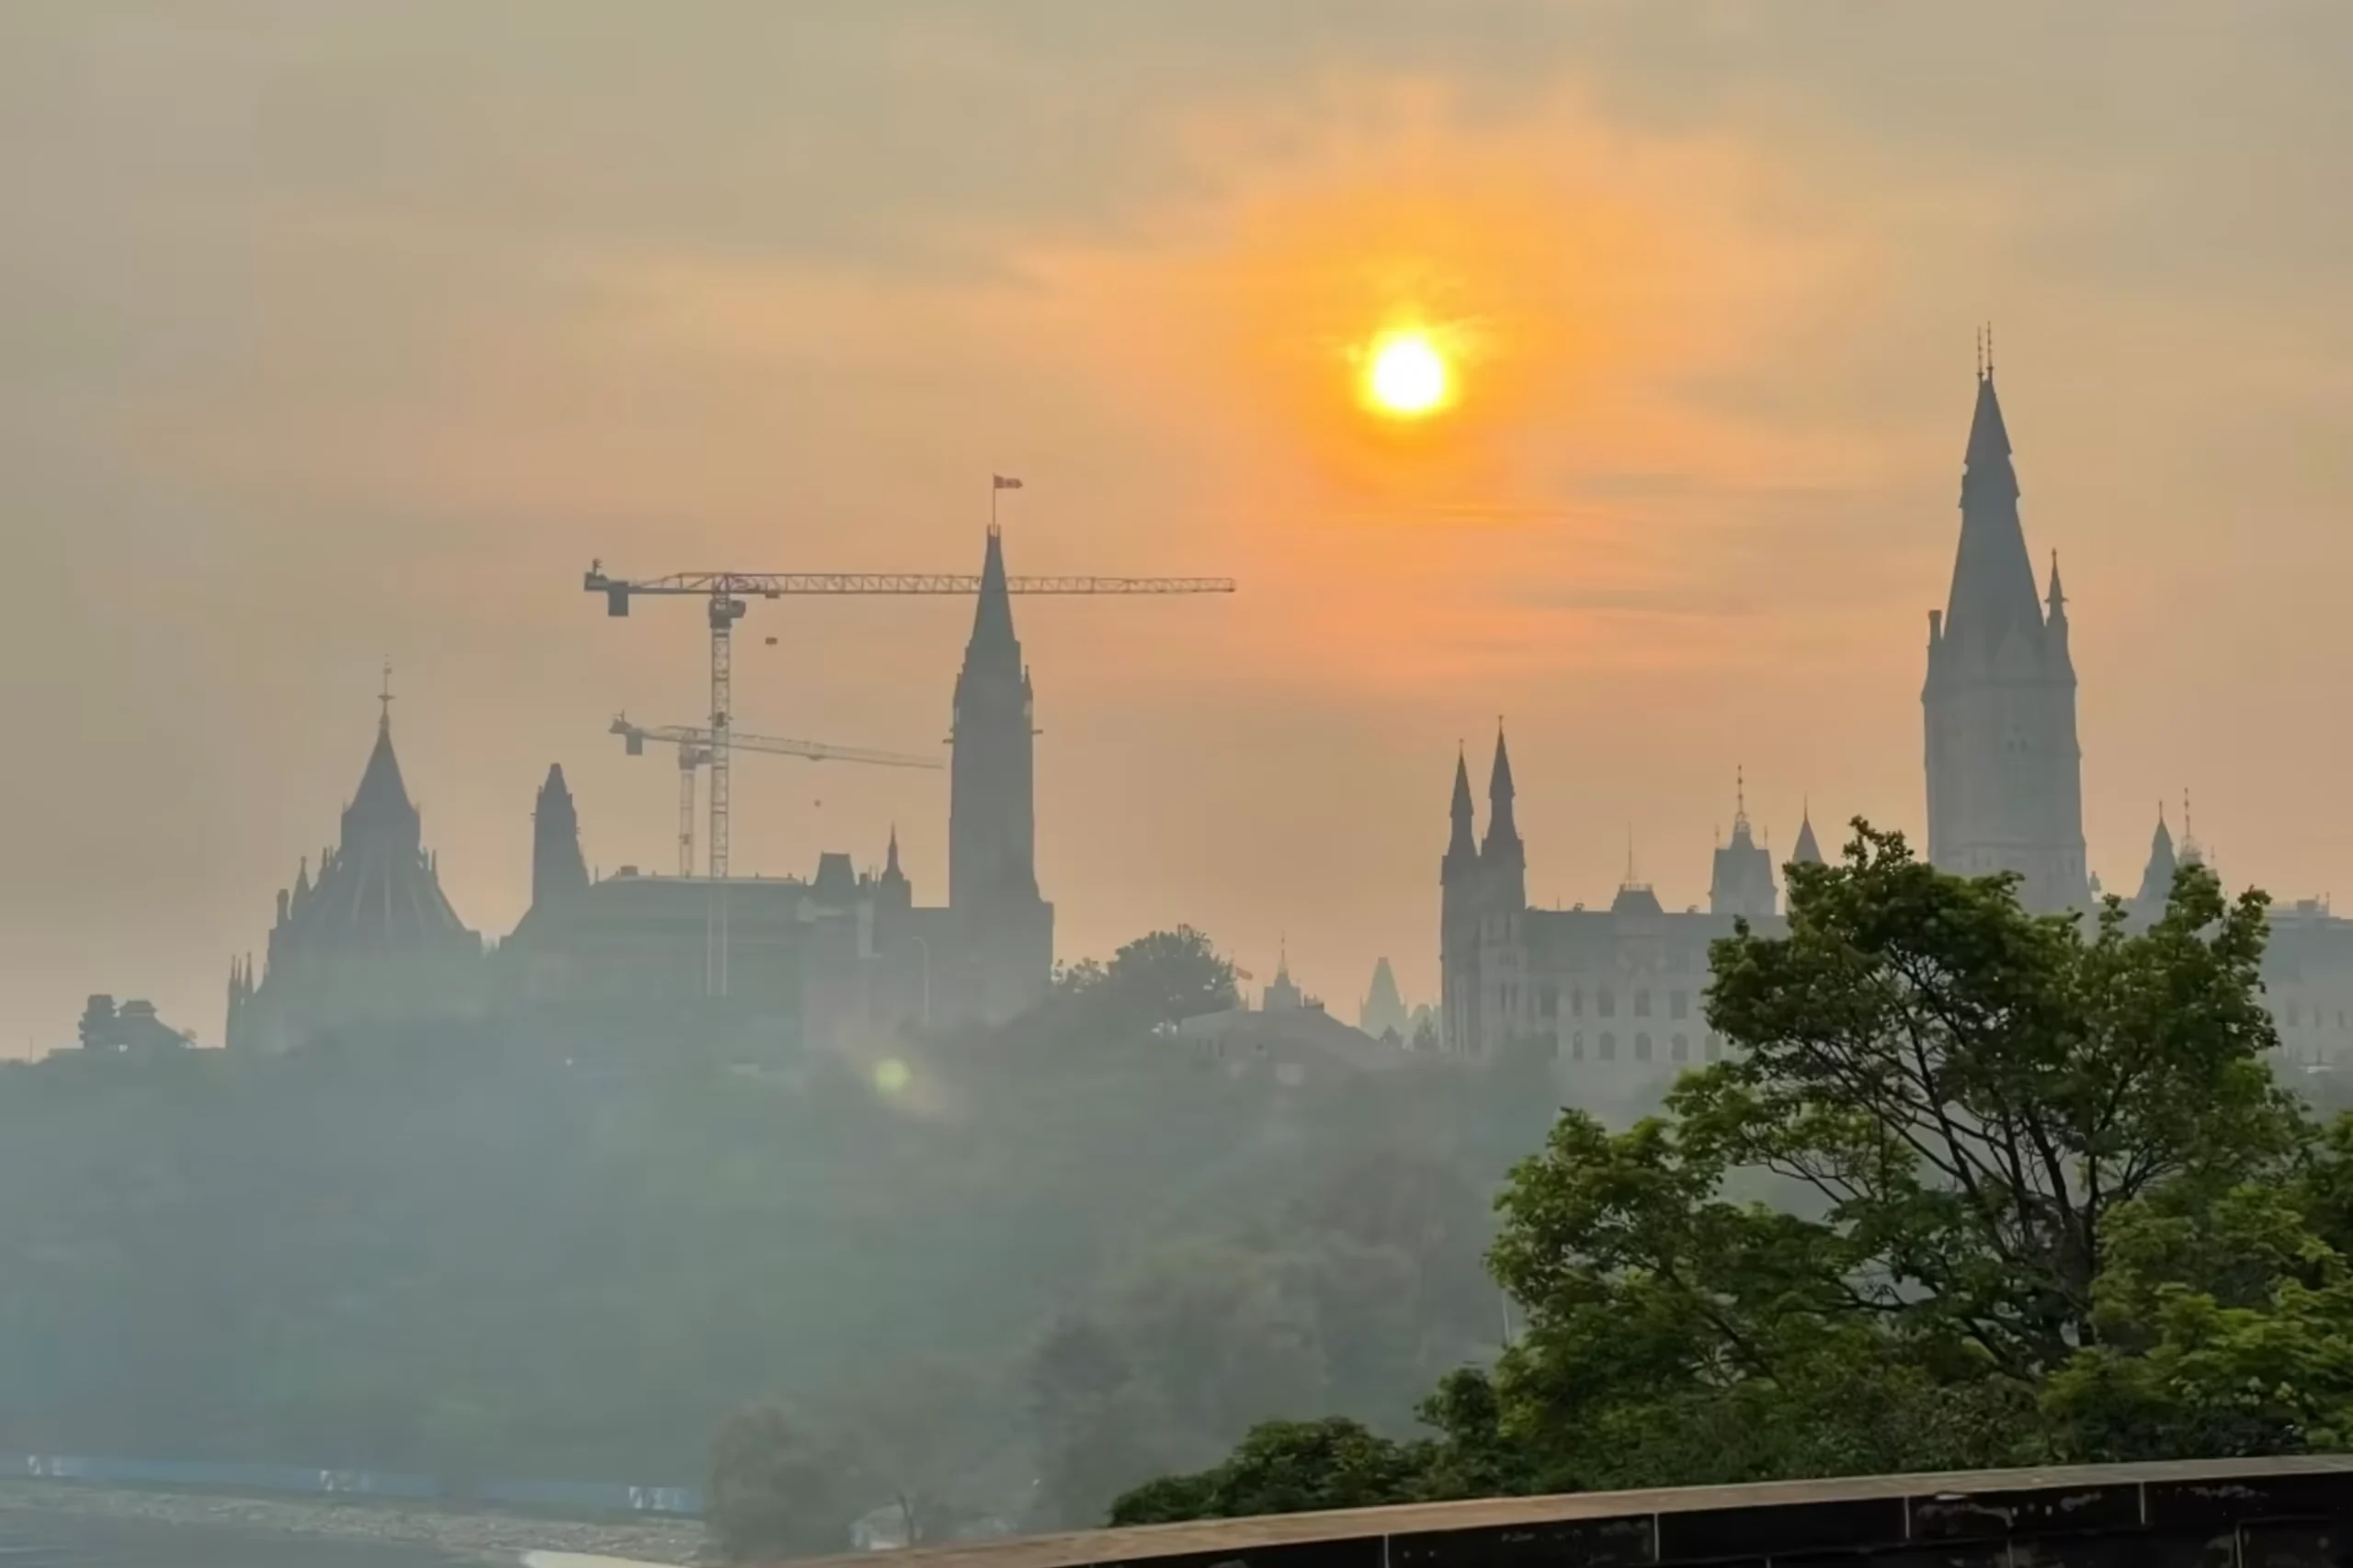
<point x="992" y="635"/>
<point x="2156" y="877"/>
<point x="1992" y="578"/>
<point x="1463" y="843"/>
<point x="1807" y="852"/>
<point x="379" y="889"/>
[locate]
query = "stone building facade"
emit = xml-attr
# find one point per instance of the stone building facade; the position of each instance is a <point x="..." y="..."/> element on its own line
<point x="1614" y="992"/>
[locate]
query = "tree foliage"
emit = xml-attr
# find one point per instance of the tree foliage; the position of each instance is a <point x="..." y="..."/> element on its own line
<point x="1973" y="1188"/>
<point x="458" y="1254"/>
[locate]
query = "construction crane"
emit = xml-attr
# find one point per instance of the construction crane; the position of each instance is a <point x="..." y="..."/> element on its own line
<point x="695" y="750"/>
<point x="728" y="594"/>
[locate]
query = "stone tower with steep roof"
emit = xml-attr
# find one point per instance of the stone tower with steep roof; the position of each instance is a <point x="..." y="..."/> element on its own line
<point x="373" y="941"/>
<point x="2004" y="771"/>
<point x="1743" y="880"/>
<point x="558" y="868"/>
<point x="1007" y="947"/>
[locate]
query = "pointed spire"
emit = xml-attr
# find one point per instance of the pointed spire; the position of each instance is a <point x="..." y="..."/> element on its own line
<point x="2192" y="852"/>
<point x="1806" y="852"/>
<point x="1743" y="833"/>
<point x="993" y="617"/>
<point x="1503" y="828"/>
<point x="891" y="855"/>
<point x="2055" y="601"/>
<point x="1993" y="578"/>
<point x="558" y="868"/>
<point x="1463" y="845"/>
<point x="384" y="701"/>
<point x="2156" y="877"/>
<point x="382" y="801"/>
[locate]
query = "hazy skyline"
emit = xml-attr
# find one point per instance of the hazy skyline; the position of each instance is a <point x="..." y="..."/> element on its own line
<point x="334" y="332"/>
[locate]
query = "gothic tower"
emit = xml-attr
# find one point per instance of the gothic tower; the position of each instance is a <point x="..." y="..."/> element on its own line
<point x="992" y="811"/>
<point x="1006" y="951"/>
<point x="1460" y="903"/>
<point x="1502" y="858"/>
<point x="373" y="941"/>
<point x="1743" y="883"/>
<point x="557" y="868"/>
<point x="2004" y="771"/>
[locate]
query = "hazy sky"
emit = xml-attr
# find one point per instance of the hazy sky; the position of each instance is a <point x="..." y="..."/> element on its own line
<point x="335" y="330"/>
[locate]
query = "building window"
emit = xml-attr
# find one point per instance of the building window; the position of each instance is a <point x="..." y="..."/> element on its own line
<point x="2295" y="1015"/>
<point x="1576" y="1046"/>
<point x="1711" y="1048"/>
<point x="1642" y="1004"/>
<point x="1606" y="1003"/>
<point x="1681" y="1048"/>
<point x="1678" y="1004"/>
<point x="1576" y="1002"/>
<point x="1642" y="1048"/>
<point x="1549" y="1001"/>
<point x="1608" y="1046"/>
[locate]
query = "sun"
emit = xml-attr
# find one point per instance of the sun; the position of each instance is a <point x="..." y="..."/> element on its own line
<point x="1407" y="376"/>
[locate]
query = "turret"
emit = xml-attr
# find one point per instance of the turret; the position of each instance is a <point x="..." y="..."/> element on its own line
<point x="2156" y="877"/>
<point x="1743" y="883"/>
<point x="1806" y="852"/>
<point x="1503" y="860"/>
<point x="1460" y="867"/>
<point x="892" y="889"/>
<point x="558" y="868"/>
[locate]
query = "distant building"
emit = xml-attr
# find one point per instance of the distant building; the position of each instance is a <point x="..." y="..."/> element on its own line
<point x="373" y="942"/>
<point x="1616" y="994"/>
<point x="2004" y="771"/>
<point x="1383" y="1011"/>
<point x="130" y="1029"/>
<point x="1294" y="1046"/>
<point x="1281" y="995"/>
<point x="798" y="962"/>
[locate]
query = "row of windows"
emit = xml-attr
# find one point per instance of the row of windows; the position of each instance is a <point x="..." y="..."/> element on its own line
<point x="1604" y="999"/>
<point x="1604" y="1047"/>
<point x="2295" y="1017"/>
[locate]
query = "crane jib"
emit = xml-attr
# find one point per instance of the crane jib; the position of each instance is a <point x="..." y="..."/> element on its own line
<point x="618" y="591"/>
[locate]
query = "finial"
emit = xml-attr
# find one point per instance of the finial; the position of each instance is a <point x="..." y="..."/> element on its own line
<point x="1739" y="793"/>
<point x="384" y="699"/>
<point x="1989" y="351"/>
<point x="1630" y="855"/>
<point x="1977" y="343"/>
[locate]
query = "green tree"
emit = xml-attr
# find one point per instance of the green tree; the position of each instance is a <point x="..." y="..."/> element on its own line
<point x="2033" y="1193"/>
<point x="1285" y="1467"/>
<point x="1961" y="1097"/>
<point x="97" y="1028"/>
<point x="1161" y="978"/>
<point x="776" y="1491"/>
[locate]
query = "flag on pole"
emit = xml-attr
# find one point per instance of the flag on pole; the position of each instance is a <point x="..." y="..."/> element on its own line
<point x="998" y="482"/>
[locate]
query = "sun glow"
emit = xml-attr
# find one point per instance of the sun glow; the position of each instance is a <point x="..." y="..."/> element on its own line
<point x="1405" y="376"/>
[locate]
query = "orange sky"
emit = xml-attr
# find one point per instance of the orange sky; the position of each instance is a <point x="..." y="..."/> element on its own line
<point x="340" y="333"/>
